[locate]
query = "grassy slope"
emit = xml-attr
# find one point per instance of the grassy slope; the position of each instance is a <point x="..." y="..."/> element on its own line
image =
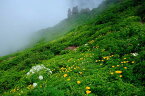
<point x="104" y="46"/>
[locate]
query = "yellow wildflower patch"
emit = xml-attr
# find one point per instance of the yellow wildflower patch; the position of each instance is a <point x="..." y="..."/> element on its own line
<point x="78" y="82"/>
<point x="88" y="88"/>
<point x="88" y="92"/>
<point x="132" y="62"/>
<point x="125" y="67"/>
<point x="65" y="75"/>
<point x="120" y="76"/>
<point x="118" y="72"/>
<point x="113" y="66"/>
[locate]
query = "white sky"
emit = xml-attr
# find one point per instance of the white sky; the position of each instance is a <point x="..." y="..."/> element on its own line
<point x="20" y="18"/>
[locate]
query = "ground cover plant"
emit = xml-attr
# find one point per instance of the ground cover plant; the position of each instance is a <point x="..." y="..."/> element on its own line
<point x="107" y="58"/>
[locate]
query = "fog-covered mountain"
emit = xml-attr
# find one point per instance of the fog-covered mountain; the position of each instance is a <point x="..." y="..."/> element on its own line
<point x="85" y="3"/>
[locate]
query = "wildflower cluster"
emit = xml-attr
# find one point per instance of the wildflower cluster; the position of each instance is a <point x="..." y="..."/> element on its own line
<point x="88" y="90"/>
<point x="127" y="62"/>
<point x="134" y="54"/>
<point x="38" y="68"/>
<point x="69" y="69"/>
<point x="105" y="58"/>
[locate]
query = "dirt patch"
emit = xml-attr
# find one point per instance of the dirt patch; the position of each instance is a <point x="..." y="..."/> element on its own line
<point x="71" y="48"/>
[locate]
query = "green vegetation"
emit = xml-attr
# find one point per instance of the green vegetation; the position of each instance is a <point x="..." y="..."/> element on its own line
<point x="107" y="58"/>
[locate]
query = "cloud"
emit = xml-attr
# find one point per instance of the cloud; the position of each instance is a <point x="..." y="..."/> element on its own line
<point x="19" y="19"/>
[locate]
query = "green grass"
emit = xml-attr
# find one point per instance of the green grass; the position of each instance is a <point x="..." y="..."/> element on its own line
<point x="103" y="60"/>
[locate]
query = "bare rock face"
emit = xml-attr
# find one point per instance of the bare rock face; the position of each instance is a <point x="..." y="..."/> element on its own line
<point x="69" y="13"/>
<point x="75" y="10"/>
<point x="72" y="12"/>
<point x="86" y="10"/>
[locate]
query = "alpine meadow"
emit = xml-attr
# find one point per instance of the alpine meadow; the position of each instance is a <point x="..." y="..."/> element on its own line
<point x="97" y="50"/>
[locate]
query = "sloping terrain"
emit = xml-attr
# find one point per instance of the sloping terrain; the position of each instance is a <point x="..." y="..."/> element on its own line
<point x="104" y="57"/>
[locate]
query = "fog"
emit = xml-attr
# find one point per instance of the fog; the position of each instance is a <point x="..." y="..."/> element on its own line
<point x="19" y="19"/>
<point x="85" y="3"/>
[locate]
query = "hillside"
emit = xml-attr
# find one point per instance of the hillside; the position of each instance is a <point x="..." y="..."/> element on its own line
<point x="102" y="57"/>
<point x="68" y="24"/>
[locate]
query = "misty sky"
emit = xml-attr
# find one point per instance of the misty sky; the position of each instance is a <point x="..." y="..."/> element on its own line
<point x="85" y="3"/>
<point x="20" y="18"/>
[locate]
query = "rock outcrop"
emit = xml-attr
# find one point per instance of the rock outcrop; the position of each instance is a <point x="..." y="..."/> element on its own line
<point x="75" y="10"/>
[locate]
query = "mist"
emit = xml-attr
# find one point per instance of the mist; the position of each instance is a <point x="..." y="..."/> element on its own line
<point x="20" y="19"/>
<point x="85" y="3"/>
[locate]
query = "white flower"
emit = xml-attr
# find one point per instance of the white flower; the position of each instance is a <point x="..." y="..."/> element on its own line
<point x="134" y="54"/>
<point x="40" y="77"/>
<point x="50" y="72"/>
<point x="86" y="44"/>
<point x="34" y="84"/>
<point x="38" y="68"/>
<point x="28" y="73"/>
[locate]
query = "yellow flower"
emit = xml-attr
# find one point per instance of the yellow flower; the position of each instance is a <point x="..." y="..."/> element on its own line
<point x="65" y="75"/>
<point x="124" y="58"/>
<point x="119" y="72"/>
<point x="120" y="76"/>
<point x="88" y="92"/>
<point x="113" y="66"/>
<point x="88" y="88"/>
<point x="118" y="65"/>
<point x="132" y="62"/>
<point x="125" y="67"/>
<point x="112" y="55"/>
<point x="81" y="72"/>
<point x="78" y="82"/>
<point x="104" y="57"/>
<point x="111" y="73"/>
